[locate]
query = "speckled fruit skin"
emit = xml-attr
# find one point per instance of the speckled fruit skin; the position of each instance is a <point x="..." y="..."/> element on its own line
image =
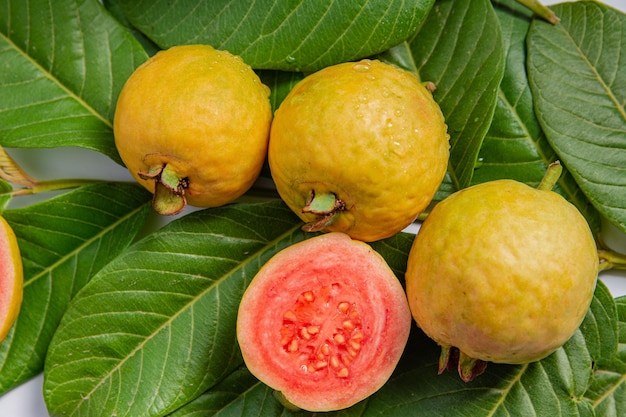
<point x="368" y="132"/>
<point x="11" y="278"/>
<point x="502" y="271"/>
<point x="324" y="322"/>
<point x="200" y="110"/>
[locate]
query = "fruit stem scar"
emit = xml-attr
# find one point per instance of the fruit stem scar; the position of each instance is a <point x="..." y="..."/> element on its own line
<point x="325" y="206"/>
<point x="468" y="368"/>
<point x="169" y="189"/>
<point x="552" y="175"/>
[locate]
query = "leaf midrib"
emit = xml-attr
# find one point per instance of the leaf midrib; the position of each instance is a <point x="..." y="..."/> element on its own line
<point x="267" y="246"/>
<point x="595" y="72"/>
<point x="57" y="82"/>
<point x="82" y="246"/>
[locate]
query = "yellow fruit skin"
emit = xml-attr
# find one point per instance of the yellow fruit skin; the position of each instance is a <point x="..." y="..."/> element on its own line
<point x="368" y="132"/>
<point x="502" y="271"/>
<point x="11" y="278"/>
<point x="200" y="110"/>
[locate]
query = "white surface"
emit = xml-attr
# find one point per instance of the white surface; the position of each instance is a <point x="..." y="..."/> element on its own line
<point x="26" y="400"/>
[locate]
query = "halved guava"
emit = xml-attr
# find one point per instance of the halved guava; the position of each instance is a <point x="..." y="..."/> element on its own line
<point x="324" y="322"/>
<point x="11" y="278"/>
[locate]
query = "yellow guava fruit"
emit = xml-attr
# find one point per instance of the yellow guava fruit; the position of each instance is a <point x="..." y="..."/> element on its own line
<point x="359" y="148"/>
<point x="11" y="278"/>
<point x="192" y="126"/>
<point x="501" y="272"/>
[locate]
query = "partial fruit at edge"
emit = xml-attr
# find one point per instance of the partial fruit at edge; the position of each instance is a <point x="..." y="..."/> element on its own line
<point x="360" y="148"/>
<point x="192" y="126"/>
<point x="324" y="322"/>
<point x="501" y="272"/>
<point x="11" y="278"/>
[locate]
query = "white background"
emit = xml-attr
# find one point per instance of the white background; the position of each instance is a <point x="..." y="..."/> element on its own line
<point x="26" y="400"/>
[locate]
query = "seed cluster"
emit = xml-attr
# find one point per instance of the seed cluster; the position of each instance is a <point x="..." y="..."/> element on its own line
<point x="331" y="346"/>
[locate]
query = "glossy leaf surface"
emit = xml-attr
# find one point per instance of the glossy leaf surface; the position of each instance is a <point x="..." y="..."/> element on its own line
<point x="577" y="77"/>
<point x="64" y="241"/>
<point x="63" y="65"/>
<point x="274" y="34"/>
<point x="460" y="49"/>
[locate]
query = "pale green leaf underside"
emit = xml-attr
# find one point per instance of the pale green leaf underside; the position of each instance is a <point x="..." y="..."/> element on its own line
<point x="64" y="241"/>
<point x="273" y="34"/>
<point x="576" y="72"/>
<point x="63" y="65"/>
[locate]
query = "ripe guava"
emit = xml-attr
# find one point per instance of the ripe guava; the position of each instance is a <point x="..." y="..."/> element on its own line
<point x="324" y="322"/>
<point x="11" y="278"/>
<point x="501" y="272"/>
<point x="192" y="126"/>
<point x="360" y="148"/>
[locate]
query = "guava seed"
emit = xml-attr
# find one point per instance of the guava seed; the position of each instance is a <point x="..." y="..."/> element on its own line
<point x="325" y="334"/>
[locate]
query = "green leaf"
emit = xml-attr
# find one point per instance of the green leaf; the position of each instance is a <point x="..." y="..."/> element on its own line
<point x="608" y="389"/>
<point x="515" y="146"/>
<point x="600" y="326"/>
<point x="274" y="34"/>
<point x="156" y="327"/>
<point x="63" y="65"/>
<point x="64" y="241"/>
<point x="460" y="49"/>
<point x="577" y="77"/>
<point x="5" y="195"/>
<point x="239" y="394"/>
<point x="279" y="83"/>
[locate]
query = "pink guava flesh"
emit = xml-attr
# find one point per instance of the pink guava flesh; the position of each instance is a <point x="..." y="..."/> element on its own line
<point x="324" y="322"/>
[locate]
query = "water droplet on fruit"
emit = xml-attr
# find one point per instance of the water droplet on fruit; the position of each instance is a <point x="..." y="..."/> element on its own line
<point x="363" y="66"/>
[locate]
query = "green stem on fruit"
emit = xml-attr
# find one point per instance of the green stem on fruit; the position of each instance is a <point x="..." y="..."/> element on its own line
<point x="552" y="175"/>
<point x="169" y="189"/>
<point x="540" y="10"/>
<point x="326" y="206"/>
<point x="611" y="260"/>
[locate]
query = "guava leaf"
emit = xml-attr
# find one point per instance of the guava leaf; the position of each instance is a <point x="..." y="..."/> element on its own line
<point x="155" y="328"/>
<point x="274" y="34"/>
<point x="578" y="80"/>
<point x="63" y="65"/>
<point x="113" y="6"/>
<point x="459" y="48"/>
<point x="608" y="388"/>
<point x="239" y="394"/>
<point x="515" y="146"/>
<point x="5" y="195"/>
<point x="280" y="84"/>
<point x="64" y="241"/>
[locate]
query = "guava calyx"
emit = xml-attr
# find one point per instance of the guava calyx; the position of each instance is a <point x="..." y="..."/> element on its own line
<point x="325" y="206"/>
<point x="169" y="189"/>
<point x="452" y="358"/>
